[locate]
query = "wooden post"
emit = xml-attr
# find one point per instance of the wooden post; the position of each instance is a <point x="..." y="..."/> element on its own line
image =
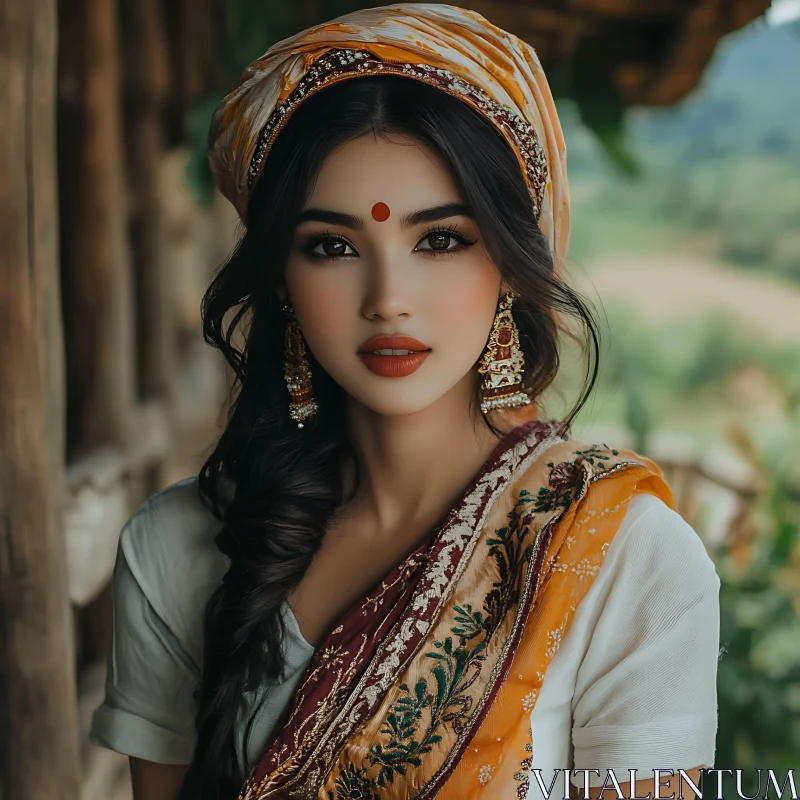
<point x="146" y="84"/>
<point x="39" y="748"/>
<point x="192" y="29"/>
<point x="96" y="258"/>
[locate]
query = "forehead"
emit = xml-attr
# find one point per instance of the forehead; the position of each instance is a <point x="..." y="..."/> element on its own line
<point x="399" y="172"/>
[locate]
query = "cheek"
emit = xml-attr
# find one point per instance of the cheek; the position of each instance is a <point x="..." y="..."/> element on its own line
<point x="466" y="308"/>
<point x="323" y="306"/>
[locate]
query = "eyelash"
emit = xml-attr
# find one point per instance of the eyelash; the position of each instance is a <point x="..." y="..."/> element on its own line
<point x="452" y="231"/>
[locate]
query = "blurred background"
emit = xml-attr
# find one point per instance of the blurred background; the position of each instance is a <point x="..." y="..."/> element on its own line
<point x="682" y="121"/>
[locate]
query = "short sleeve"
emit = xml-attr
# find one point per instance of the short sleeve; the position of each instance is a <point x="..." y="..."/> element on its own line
<point x="149" y="708"/>
<point x="645" y="695"/>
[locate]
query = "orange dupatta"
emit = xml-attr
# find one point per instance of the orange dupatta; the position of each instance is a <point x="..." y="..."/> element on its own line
<point x="437" y="703"/>
<point x="502" y="751"/>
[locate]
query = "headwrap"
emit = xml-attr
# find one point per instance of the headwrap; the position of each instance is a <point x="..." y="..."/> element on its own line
<point x="452" y="48"/>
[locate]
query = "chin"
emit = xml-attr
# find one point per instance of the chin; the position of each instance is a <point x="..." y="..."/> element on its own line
<point x="399" y="397"/>
<point x="395" y="405"/>
<point x="389" y="398"/>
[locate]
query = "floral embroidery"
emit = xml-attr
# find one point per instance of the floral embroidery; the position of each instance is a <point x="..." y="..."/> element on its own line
<point x="524" y="775"/>
<point x="415" y="722"/>
<point x="307" y="749"/>
<point x="333" y="656"/>
<point x="568" y="479"/>
<point x="557" y="565"/>
<point x="405" y="574"/>
<point x="529" y="701"/>
<point x="351" y="783"/>
<point x="559" y="490"/>
<point x="585" y="567"/>
<point x="506" y="547"/>
<point x="485" y="774"/>
<point x="554" y="640"/>
<point x="457" y="668"/>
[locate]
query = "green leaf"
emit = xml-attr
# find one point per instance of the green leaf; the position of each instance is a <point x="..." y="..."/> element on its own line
<point x="437" y="656"/>
<point x="441" y="684"/>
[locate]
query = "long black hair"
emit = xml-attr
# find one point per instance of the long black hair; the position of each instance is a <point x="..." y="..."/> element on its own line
<point x="274" y="486"/>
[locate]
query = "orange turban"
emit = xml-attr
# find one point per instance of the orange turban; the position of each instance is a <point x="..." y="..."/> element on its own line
<point x="457" y="50"/>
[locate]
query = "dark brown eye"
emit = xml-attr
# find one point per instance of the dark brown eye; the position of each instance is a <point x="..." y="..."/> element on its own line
<point x="439" y="241"/>
<point x="333" y="247"/>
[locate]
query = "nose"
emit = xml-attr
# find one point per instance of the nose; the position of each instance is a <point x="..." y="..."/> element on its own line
<point x="387" y="293"/>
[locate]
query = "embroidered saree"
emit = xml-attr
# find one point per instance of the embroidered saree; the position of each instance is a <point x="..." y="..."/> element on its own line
<point x="424" y="687"/>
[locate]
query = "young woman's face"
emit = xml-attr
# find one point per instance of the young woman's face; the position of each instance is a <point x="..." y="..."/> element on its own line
<point x="385" y="248"/>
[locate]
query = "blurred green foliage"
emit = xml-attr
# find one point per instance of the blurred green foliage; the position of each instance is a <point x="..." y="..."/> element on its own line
<point x="724" y="164"/>
<point x="676" y="376"/>
<point x="758" y="680"/>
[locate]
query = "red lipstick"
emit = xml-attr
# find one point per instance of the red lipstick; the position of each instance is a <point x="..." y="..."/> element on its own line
<point x="393" y="356"/>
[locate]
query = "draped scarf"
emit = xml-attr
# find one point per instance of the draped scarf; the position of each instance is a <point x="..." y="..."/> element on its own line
<point x="456" y="50"/>
<point x="424" y="687"/>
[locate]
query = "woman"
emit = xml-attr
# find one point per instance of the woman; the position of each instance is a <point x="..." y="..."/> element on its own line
<point x="391" y="580"/>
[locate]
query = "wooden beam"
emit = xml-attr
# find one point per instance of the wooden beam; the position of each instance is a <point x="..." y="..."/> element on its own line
<point x="146" y="87"/>
<point x="704" y="25"/>
<point x="625" y="9"/>
<point x="95" y="248"/>
<point x="39" y="752"/>
<point x="193" y="33"/>
<point x="658" y="49"/>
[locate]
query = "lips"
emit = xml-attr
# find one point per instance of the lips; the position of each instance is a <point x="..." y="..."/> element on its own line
<point x="395" y="342"/>
<point x="393" y="356"/>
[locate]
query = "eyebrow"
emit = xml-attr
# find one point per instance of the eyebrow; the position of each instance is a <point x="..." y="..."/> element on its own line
<point x="407" y="220"/>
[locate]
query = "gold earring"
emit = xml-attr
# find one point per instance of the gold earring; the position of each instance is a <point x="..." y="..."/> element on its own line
<point x="297" y="374"/>
<point x="503" y="363"/>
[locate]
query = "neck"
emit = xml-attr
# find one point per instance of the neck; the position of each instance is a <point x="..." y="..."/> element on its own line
<point x="415" y="467"/>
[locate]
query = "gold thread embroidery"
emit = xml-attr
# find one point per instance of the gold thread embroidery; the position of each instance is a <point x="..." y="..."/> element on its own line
<point x="342" y="63"/>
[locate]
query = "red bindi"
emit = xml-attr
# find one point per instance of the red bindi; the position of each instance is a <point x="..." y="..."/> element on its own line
<point x="380" y="212"/>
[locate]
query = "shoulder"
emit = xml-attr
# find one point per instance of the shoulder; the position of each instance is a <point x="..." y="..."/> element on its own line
<point x="656" y="576"/>
<point x="645" y="687"/>
<point x="168" y="544"/>
<point x="657" y="541"/>
<point x="651" y="536"/>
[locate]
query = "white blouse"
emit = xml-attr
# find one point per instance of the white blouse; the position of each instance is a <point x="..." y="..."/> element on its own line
<point x="633" y="685"/>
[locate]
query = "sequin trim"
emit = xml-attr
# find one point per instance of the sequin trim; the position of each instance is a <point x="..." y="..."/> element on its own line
<point x="340" y="64"/>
